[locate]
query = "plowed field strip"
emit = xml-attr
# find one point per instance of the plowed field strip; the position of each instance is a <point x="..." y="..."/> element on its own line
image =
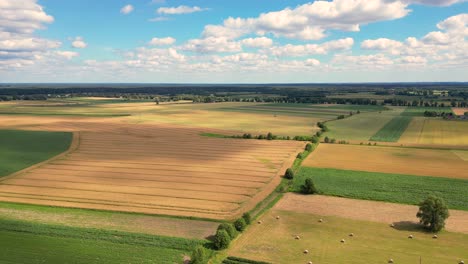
<point x="121" y="208"/>
<point x="41" y="173"/>
<point x="172" y="201"/>
<point x="105" y="202"/>
<point x="174" y="185"/>
<point x="239" y="157"/>
<point x="245" y="175"/>
<point x="91" y="173"/>
<point x="154" y="186"/>
<point x="131" y="160"/>
<point x="159" y="166"/>
<point x="209" y="196"/>
<point x="154" y="150"/>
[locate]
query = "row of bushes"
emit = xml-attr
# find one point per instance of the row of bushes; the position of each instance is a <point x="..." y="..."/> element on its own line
<point x="237" y="260"/>
<point x="225" y="233"/>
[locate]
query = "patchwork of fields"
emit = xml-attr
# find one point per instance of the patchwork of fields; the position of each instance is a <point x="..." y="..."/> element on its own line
<point x="424" y="162"/>
<point x="153" y="169"/>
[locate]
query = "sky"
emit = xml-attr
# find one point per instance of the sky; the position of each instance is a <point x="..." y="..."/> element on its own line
<point x="214" y="41"/>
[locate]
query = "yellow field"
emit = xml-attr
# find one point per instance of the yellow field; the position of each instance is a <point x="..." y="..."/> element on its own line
<point x="424" y="162"/>
<point x="154" y="169"/>
<point x="428" y="131"/>
<point x="459" y="110"/>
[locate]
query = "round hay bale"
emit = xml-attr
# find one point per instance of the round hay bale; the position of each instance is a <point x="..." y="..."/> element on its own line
<point x="320" y="220"/>
<point x="342" y="241"/>
<point x="297" y="237"/>
<point x="306" y="251"/>
<point x="392" y="225"/>
<point x="259" y="222"/>
<point x="461" y="262"/>
<point x="390" y="261"/>
<point x="410" y="236"/>
<point x="351" y="234"/>
<point x="435" y="236"/>
<point x="277" y="217"/>
<point x="310" y="262"/>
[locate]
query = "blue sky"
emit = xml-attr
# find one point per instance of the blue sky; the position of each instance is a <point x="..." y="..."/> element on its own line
<point x="212" y="41"/>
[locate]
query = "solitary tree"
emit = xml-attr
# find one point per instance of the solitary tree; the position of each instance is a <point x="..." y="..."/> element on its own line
<point x="222" y="239"/>
<point x="308" y="187"/>
<point x="327" y="140"/>
<point x="289" y="174"/>
<point x="432" y="213"/>
<point x="308" y="147"/>
<point x="199" y="255"/>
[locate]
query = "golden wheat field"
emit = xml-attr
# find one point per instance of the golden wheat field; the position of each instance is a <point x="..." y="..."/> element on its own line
<point x="424" y="162"/>
<point x="155" y="169"/>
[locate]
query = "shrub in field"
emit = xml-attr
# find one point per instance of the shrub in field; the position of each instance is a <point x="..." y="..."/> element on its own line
<point x="289" y="174"/>
<point x="327" y="140"/>
<point x="199" y="256"/>
<point x="300" y="156"/>
<point x="247" y="218"/>
<point x="229" y="228"/>
<point x="222" y="239"/>
<point x="318" y="134"/>
<point x="308" y="147"/>
<point x="308" y="187"/>
<point x="240" y="224"/>
<point x="432" y="213"/>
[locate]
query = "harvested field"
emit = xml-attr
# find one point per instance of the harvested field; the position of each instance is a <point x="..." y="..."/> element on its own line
<point x="424" y="162"/>
<point x="429" y="131"/>
<point x="372" y="242"/>
<point x="364" y="210"/>
<point x="154" y="169"/>
<point x="459" y="110"/>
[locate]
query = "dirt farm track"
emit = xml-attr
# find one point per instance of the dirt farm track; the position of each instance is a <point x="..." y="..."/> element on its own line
<point x="154" y="169"/>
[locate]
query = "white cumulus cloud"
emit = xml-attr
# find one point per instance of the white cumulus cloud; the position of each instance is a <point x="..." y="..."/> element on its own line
<point x="262" y="42"/>
<point x="126" y="9"/>
<point x="79" y="43"/>
<point x="162" y="41"/>
<point x="183" y="9"/>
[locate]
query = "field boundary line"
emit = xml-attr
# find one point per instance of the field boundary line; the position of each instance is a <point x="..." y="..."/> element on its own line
<point x="75" y="143"/>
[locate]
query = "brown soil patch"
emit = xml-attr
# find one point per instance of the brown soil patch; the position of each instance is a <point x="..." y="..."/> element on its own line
<point x="149" y="168"/>
<point x="423" y="162"/>
<point x="364" y="210"/>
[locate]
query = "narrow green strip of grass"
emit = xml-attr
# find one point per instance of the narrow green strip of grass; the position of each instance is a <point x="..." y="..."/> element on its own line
<point x="396" y="188"/>
<point x="21" y="149"/>
<point x="214" y="135"/>
<point x="393" y="130"/>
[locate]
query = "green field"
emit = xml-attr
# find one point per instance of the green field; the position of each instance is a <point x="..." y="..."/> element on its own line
<point x="393" y="130"/>
<point x="21" y="149"/>
<point x="396" y="188"/>
<point x="24" y="242"/>
<point x="419" y="111"/>
<point x="361" y="127"/>
<point x="273" y="241"/>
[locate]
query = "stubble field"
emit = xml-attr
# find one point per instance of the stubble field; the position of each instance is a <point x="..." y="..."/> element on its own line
<point x="151" y="169"/>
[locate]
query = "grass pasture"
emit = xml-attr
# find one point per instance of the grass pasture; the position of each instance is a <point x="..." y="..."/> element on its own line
<point x="273" y="241"/>
<point x="21" y="149"/>
<point x="430" y="131"/>
<point x="395" y="188"/>
<point x="397" y="160"/>
<point x="393" y="130"/>
<point x="25" y="242"/>
<point x="154" y="169"/>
